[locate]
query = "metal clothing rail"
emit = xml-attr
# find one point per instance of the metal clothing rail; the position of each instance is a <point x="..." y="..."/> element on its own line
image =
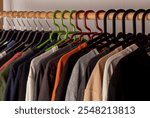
<point x="48" y="15"/>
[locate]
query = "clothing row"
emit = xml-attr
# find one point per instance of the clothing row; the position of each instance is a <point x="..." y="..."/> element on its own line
<point x="74" y="72"/>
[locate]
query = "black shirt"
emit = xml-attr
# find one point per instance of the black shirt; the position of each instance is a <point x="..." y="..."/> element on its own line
<point x="131" y="78"/>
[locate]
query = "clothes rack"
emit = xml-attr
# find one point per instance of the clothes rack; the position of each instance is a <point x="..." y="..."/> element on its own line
<point x="48" y="15"/>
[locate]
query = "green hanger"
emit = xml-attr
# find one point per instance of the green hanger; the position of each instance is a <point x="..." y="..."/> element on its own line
<point x="66" y="28"/>
<point x="50" y="39"/>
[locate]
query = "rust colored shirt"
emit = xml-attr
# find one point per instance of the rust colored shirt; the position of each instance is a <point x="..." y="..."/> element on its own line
<point x="61" y="64"/>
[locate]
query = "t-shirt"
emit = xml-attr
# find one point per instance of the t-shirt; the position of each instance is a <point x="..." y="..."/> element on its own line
<point x="61" y="64"/>
<point x="130" y="80"/>
<point x="93" y="91"/>
<point x="78" y="74"/>
<point x="110" y="66"/>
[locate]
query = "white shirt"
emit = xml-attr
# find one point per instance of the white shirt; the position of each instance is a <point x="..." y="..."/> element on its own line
<point x="32" y="71"/>
<point x="110" y="66"/>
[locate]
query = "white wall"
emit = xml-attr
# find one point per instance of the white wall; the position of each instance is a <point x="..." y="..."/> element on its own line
<point x="51" y="5"/>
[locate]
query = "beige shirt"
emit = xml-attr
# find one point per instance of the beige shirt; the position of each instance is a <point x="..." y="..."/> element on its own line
<point x="93" y="91"/>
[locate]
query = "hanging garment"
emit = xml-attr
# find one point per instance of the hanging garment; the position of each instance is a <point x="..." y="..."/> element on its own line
<point x="4" y="73"/>
<point x="88" y="72"/>
<point x="43" y="67"/>
<point x="93" y="91"/>
<point x="130" y="80"/>
<point x="111" y="65"/>
<point x="61" y="64"/>
<point x="13" y="73"/>
<point x="48" y="81"/>
<point x="78" y="74"/>
<point x="66" y="73"/>
<point x="32" y="71"/>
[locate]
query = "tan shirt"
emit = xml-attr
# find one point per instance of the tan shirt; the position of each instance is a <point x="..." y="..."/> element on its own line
<point x="93" y="91"/>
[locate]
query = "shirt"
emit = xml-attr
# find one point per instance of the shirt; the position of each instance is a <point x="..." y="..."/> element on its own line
<point x="42" y="68"/>
<point x="13" y="73"/>
<point x="11" y="60"/>
<point x="31" y="76"/>
<point x="4" y="76"/>
<point x="110" y="66"/>
<point x="66" y="73"/>
<point x="93" y="91"/>
<point x="87" y="74"/>
<point x="61" y="64"/>
<point x="48" y="81"/>
<point x="6" y="58"/>
<point x="78" y="74"/>
<point x="130" y="80"/>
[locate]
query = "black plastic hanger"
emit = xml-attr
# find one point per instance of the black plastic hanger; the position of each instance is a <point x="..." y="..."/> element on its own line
<point x="121" y="35"/>
<point x="144" y="43"/>
<point x="23" y="37"/>
<point x="133" y="38"/>
<point x="105" y="36"/>
<point x="114" y="39"/>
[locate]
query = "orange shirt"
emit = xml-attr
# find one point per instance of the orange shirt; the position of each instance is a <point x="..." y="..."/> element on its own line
<point x="61" y="64"/>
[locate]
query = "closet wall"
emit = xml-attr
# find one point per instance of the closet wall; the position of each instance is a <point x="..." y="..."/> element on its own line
<point x="47" y="5"/>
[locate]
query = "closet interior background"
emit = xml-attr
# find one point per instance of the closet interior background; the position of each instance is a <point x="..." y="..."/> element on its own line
<point x="52" y="5"/>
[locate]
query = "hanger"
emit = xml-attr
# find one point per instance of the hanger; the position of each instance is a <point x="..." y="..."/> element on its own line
<point x="44" y="34"/>
<point x="133" y="38"/>
<point x="145" y="42"/>
<point x="96" y="23"/>
<point x="36" y="35"/>
<point x="73" y="29"/>
<point x="6" y="33"/>
<point x="24" y="38"/>
<point x="51" y="38"/>
<point x="66" y="33"/>
<point x="89" y="33"/>
<point x="100" y="33"/>
<point x="106" y="37"/>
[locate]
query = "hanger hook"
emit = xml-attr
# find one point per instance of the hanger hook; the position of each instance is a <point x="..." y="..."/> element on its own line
<point x="37" y="15"/>
<point x="134" y="19"/>
<point x="124" y="19"/>
<point x="10" y="27"/>
<point x="114" y="20"/>
<point x="76" y="19"/>
<point x="18" y="23"/>
<point x="96" y="20"/>
<point x="62" y="15"/>
<point x="53" y="20"/>
<point x="73" y="26"/>
<point x="33" y="19"/>
<point x="47" y="22"/>
<point x="143" y="20"/>
<point x="85" y="18"/>
<point x="105" y="18"/>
